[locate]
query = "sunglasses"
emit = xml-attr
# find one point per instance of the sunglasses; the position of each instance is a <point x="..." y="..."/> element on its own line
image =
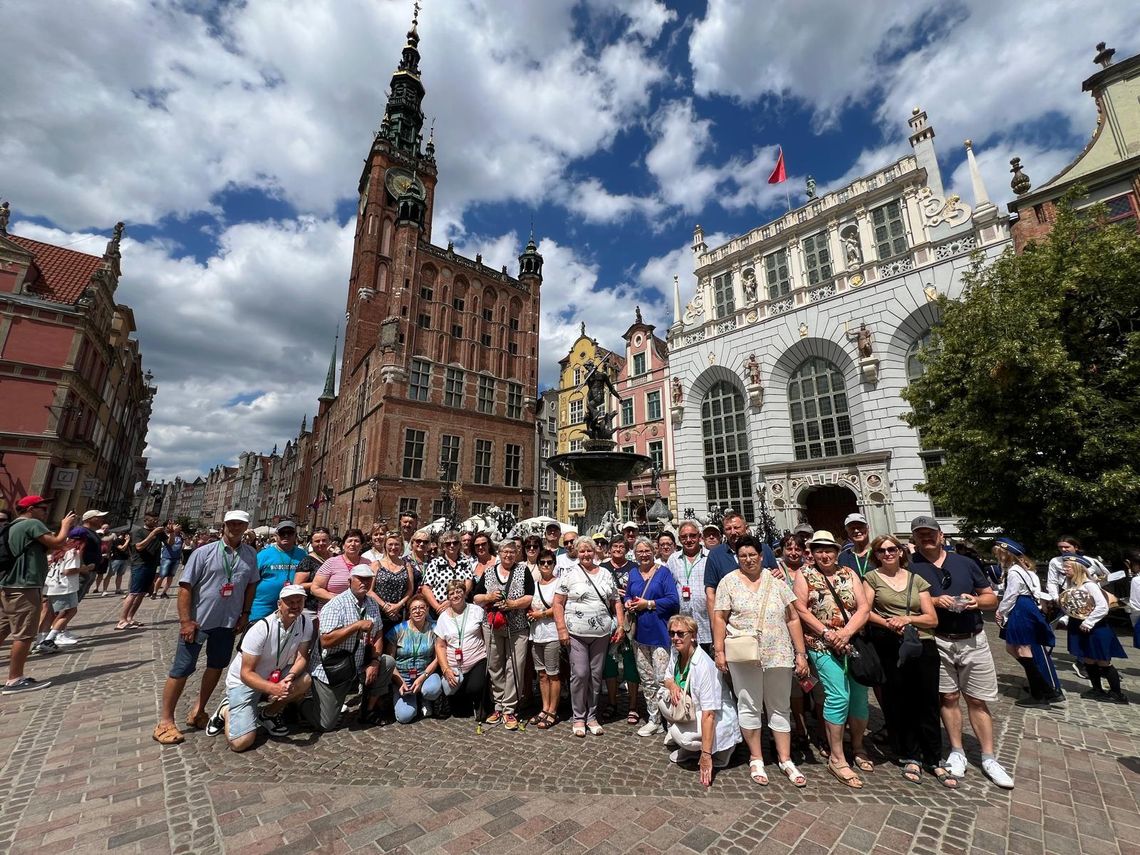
<point x="545" y="562"/>
<point x="946" y="579"/>
<point x="421" y="542"/>
<point x="888" y="550"/>
<point x="451" y="543"/>
<point x="531" y="546"/>
<point x="678" y="633"/>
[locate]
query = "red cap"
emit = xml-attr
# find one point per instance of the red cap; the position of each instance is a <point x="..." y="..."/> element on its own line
<point x="30" y="502"/>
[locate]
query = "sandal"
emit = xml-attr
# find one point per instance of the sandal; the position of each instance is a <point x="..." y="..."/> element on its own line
<point x="136" y="624"/>
<point x="863" y="764"/>
<point x="910" y="771"/>
<point x="633" y="717"/>
<point x="198" y="722"/>
<point x="947" y="780"/>
<point x="579" y="730"/>
<point x="594" y="728"/>
<point x="167" y="734"/>
<point x="757" y="773"/>
<point x="536" y="718"/>
<point x="853" y="781"/>
<point x="546" y="720"/>
<point x="121" y="626"/>
<point x="794" y="774"/>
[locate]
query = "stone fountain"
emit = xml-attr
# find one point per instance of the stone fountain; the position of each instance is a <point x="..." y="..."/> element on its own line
<point x="598" y="467"/>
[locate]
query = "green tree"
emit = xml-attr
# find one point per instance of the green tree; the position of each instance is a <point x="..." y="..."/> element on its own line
<point x="1032" y="388"/>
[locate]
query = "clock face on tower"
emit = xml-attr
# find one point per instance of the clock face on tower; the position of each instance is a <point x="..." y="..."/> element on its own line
<point x="398" y="180"/>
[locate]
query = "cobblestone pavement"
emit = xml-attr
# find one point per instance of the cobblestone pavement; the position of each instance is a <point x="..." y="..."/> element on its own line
<point x="82" y="774"/>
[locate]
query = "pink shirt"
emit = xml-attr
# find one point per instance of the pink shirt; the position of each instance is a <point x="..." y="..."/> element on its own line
<point x="336" y="572"/>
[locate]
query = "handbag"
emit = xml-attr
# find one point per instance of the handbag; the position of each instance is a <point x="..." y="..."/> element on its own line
<point x="681" y="712"/>
<point x="745" y="646"/>
<point x="911" y="645"/>
<point x="862" y="661"/>
<point x="604" y="601"/>
<point x="340" y="665"/>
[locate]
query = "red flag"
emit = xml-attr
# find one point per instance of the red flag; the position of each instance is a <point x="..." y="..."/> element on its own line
<point x="778" y="175"/>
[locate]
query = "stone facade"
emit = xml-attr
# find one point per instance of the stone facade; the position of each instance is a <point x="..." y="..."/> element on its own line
<point x="439" y="368"/>
<point x="794" y="349"/>
<point x="1108" y="167"/>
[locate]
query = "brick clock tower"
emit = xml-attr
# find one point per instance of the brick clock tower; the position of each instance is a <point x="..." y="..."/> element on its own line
<point x="440" y="363"/>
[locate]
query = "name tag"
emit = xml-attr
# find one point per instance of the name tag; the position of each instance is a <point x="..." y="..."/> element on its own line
<point x="227" y="589"/>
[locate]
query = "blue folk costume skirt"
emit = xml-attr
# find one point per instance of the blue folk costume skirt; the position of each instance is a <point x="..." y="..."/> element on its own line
<point x="1026" y="625"/>
<point x="1101" y="644"/>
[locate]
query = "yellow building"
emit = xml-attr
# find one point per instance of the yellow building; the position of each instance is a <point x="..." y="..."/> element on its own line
<point x="571" y="505"/>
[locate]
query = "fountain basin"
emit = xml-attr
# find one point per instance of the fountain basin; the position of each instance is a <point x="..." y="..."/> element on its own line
<point x="599" y="472"/>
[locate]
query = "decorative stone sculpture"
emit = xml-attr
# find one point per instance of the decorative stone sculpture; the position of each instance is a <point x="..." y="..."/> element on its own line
<point x="810" y="187"/>
<point x="598" y="421"/>
<point x="851" y="249"/>
<point x="750" y="288"/>
<point x="803" y="330"/>
<point x="637" y="315"/>
<point x="936" y="210"/>
<point x="753" y="370"/>
<point x="677" y="392"/>
<point x="1020" y="182"/>
<point x="868" y="363"/>
<point x="754" y="388"/>
<point x="5" y="213"/>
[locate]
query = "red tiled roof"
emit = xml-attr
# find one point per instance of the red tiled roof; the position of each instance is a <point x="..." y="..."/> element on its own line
<point x="65" y="271"/>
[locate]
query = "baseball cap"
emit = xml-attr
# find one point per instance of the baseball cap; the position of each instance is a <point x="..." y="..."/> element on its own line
<point x="854" y="518"/>
<point x="92" y="514"/>
<point x="551" y="525"/>
<point x="30" y="502"/>
<point x="292" y="591"/>
<point x="925" y="521"/>
<point x="804" y="528"/>
<point x="286" y="524"/>
<point x="236" y="516"/>
<point x="711" y="527"/>
<point x="77" y="532"/>
<point x="630" y="524"/>
<point x="363" y="571"/>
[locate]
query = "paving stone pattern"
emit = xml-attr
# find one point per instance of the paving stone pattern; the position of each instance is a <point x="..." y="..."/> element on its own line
<point x="82" y="774"/>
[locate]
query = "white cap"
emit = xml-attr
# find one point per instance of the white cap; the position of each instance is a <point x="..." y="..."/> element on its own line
<point x="630" y="524"/>
<point x="291" y="591"/>
<point x="854" y="518"/>
<point x="364" y="571"/>
<point x="569" y="529"/>
<point x="236" y="516"/>
<point x="92" y="514"/>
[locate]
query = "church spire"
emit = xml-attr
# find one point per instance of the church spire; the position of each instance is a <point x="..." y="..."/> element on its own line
<point x="329" y="394"/>
<point x="403" y="118"/>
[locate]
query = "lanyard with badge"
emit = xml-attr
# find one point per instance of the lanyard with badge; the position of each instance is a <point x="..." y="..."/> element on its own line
<point x="228" y="585"/>
<point x="414" y="672"/>
<point x="459" y="642"/>
<point x="686" y="591"/>
<point x="275" y="677"/>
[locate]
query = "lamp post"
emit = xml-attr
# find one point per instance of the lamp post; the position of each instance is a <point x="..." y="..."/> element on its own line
<point x="766" y="523"/>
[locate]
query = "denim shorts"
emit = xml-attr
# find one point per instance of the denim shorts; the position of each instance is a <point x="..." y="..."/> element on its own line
<point x="219" y="648"/>
<point x="142" y="579"/>
<point x="243" y="711"/>
<point x="62" y="602"/>
<point x="166" y="568"/>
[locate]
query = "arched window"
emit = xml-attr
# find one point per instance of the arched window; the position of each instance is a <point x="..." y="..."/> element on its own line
<point x="724" y="426"/>
<point x="817" y="403"/>
<point x="931" y="457"/>
<point x="914" y="366"/>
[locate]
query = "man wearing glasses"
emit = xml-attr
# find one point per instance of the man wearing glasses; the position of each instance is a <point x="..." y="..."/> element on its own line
<point x="961" y="592"/>
<point x="567" y="556"/>
<point x="687" y="565"/>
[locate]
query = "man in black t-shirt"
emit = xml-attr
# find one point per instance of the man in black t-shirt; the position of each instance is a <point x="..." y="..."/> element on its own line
<point x="961" y="592"/>
<point x="146" y="545"/>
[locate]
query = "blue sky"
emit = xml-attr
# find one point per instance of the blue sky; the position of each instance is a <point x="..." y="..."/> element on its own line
<point x="229" y="137"/>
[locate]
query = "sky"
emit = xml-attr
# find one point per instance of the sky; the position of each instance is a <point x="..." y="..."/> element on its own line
<point x="229" y="137"/>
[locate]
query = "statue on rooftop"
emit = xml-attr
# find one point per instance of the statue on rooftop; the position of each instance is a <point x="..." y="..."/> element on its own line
<point x="810" y="187"/>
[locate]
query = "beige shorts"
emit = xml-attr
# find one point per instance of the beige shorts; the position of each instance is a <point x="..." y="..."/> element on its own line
<point x="20" y="612"/>
<point x="967" y="667"/>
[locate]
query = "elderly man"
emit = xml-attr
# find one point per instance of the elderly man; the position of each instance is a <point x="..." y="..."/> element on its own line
<point x="567" y="556"/>
<point x="21" y="586"/>
<point x="722" y="559"/>
<point x="629" y="532"/>
<point x="409" y="522"/>
<point x="214" y="597"/>
<point x="961" y="592"/>
<point x="277" y="565"/>
<point x="272" y="663"/>
<point x="551" y="537"/>
<point x="858" y="552"/>
<point x="93" y="521"/>
<point x="351" y="644"/>
<point x="687" y="565"/>
<point x="712" y="536"/>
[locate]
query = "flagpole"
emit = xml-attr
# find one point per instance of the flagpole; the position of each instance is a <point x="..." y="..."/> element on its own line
<point x="788" y="197"/>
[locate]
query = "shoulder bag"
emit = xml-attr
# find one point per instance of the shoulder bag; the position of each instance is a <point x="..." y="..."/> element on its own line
<point x="862" y="661"/>
<point x="340" y="665"/>
<point x="745" y="646"/>
<point x="604" y="601"/>
<point x="911" y="645"/>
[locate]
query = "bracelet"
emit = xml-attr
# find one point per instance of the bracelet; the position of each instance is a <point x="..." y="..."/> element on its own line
<point x="707" y="752"/>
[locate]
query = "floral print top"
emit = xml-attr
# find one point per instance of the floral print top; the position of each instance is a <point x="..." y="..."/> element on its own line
<point x="735" y="596"/>
<point x="822" y="605"/>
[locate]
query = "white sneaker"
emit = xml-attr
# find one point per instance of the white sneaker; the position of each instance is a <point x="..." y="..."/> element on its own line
<point x="66" y="639"/>
<point x="956" y="764"/>
<point x="997" y="774"/>
<point x="650" y="728"/>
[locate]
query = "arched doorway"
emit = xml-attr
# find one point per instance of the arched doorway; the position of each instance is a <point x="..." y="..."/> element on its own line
<point x="826" y="507"/>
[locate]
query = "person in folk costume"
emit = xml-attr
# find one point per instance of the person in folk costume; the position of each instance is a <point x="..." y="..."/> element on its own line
<point x="1027" y="634"/>
<point x="1091" y="639"/>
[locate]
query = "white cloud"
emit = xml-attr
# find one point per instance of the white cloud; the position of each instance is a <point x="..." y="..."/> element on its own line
<point x="683" y="139"/>
<point x="595" y="204"/>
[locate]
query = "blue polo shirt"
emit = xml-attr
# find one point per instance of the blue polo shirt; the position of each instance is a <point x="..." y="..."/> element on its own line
<point x="275" y="570"/>
<point x="722" y="561"/>
<point x="848" y="558"/>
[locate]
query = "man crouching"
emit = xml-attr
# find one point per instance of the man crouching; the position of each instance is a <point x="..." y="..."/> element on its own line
<point x="272" y="663"/>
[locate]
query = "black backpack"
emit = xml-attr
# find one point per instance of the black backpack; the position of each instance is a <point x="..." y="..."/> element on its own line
<point x="7" y="557"/>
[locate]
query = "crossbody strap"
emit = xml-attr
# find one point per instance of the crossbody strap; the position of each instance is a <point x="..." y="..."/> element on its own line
<point x="835" y="596"/>
<point x="603" y="600"/>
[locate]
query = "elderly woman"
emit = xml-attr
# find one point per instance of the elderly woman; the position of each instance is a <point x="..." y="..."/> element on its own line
<point x="1091" y="640"/>
<point x="505" y="593"/>
<point x="418" y="556"/>
<point x="715" y="730"/>
<point x="758" y="639"/>
<point x="460" y="649"/>
<point x="544" y="640"/>
<point x="395" y="581"/>
<point x="582" y="612"/>
<point x="651" y="598"/>
<point x="899" y="598"/>
<point x="332" y="577"/>
<point x="666" y="546"/>
<point x="416" y="681"/>
<point x="531" y="546"/>
<point x="449" y="567"/>
<point x="485" y="558"/>
<point x="833" y="608"/>
<point x="1027" y="635"/>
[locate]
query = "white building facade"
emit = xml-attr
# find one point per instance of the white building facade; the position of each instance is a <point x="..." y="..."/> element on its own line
<point x="791" y="356"/>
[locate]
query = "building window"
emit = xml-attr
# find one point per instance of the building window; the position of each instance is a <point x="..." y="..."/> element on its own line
<point x="449" y="457"/>
<point x="724" y="428"/>
<point x="438" y="508"/>
<point x="629" y="449"/>
<point x="1122" y="209"/>
<point x="512" y="465"/>
<point x="457" y="304"/>
<point x="638" y="363"/>
<point x="486" y="394"/>
<point x="931" y="457"/>
<point x="419" y="383"/>
<point x="544" y="507"/>
<point x="512" y="348"/>
<point x="817" y="258"/>
<point x="577" y="500"/>
<point x="724" y="300"/>
<point x="512" y="509"/>
<point x="423" y="321"/>
<point x="483" y="453"/>
<point x="627" y="411"/>
<point x="478" y="508"/>
<point x="817" y="402"/>
<point x="414" y="453"/>
<point x="577" y="377"/>
<point x="408" y="505"/>
<point x="890" y="233"/>
<point x="485" y="339"/>
<point x="575" y="411"/>
<point x="544" y="479"/>
<point x="776" y="272"/>
<point x="488" y="315"/>
<point x="514" y="324"/>
<point x="426" y="292"/>
<point x="453" y="388"/>
<point x="657" y="452"/>
<point x="652" y="405"/>
<point x="514" y="401"/>
<point x="456" y="331"/>
<point x="1039" y="212"/>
